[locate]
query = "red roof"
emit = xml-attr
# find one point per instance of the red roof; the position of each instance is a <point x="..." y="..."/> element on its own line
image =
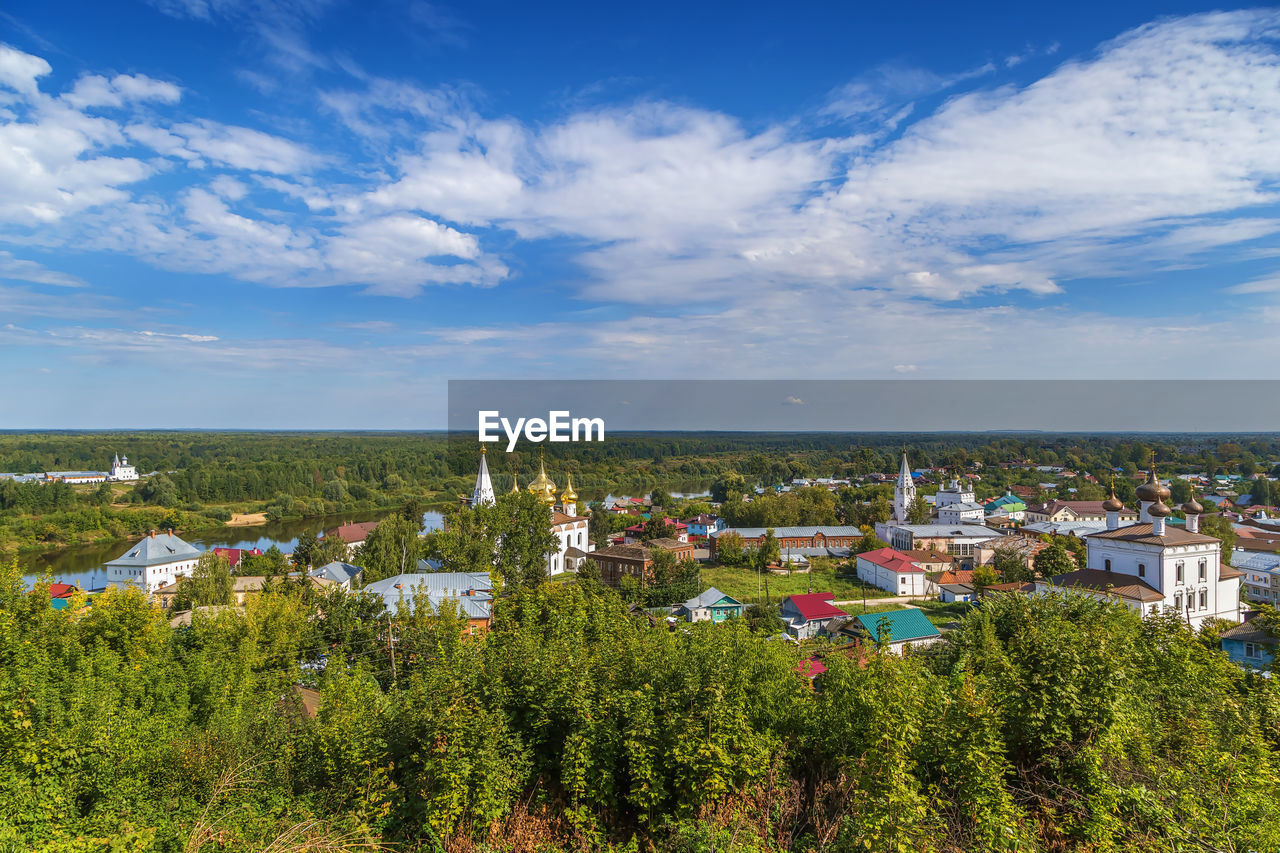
<point x="233" y="555"/>
<point x="888" y="558"/>
<point x="671" y="522"/>
<point x="61" y="590"/>
<point x="816" y="605"/>
<point x="811" y="668"/>
<point x="357" y="532"/>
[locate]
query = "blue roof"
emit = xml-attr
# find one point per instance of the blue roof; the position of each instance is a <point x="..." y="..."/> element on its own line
<point x="908" y="624"/>
<point x="337" y="571"/>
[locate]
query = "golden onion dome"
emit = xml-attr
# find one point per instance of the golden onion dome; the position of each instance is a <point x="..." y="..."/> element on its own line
<point x="543" y="486"/>
<point x="1192" y="506"/>
<point x="568" y="495"/>
<point x="1158" y="510"/>
<point x="1152" y="490"/>
<point x="515" y="484"/>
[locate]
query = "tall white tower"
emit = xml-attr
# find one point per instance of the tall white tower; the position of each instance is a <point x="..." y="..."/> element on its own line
<point x="482" y="494"/>
<point x="904" y="492"/>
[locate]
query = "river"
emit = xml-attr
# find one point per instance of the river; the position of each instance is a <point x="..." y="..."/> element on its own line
<point x="78" y="564"/>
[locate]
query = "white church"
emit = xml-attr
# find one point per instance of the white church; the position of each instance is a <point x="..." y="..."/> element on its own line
<point x="569" y="528"/>
<point x="1154" y="567"/>
<point x="121" y="471"/>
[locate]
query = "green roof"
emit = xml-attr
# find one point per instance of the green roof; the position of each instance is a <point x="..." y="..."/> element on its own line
<point x="908" y="624"/>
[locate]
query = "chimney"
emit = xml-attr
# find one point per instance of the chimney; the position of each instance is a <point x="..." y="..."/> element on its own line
<point x="153" y="533"/>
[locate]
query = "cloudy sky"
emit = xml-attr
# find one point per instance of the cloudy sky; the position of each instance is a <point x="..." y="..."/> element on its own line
<point x="312" y="213"/>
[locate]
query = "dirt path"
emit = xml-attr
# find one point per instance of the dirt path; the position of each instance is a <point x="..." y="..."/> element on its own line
<point x="247" y="519"/>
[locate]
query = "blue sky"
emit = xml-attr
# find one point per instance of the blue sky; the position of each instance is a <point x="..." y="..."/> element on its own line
<point x="220" y="213"/>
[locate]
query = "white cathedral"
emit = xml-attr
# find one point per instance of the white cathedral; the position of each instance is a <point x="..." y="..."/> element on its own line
<point x="569" y="528"/>
<point x="1153" y="567"/>
<point x="121" y="470"/>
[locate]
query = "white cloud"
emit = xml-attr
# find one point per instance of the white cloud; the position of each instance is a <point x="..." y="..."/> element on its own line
<point x="93" y="90"/>
<point x="245" y="148"/>
<point x="20" y="71"/>
<point x="21" y="269"/>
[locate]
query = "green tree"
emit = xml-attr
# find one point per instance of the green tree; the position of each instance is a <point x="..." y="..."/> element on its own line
<point x="729" y="549"/>
<point x="1010" y="562"/>
<point x="210" y="583"/>
<point x="1260" y="492"/>
<point x="390" y="549"/>
<point x="768" y="554"/>
<point x="303" y="551"/>
<point x="1221" y="529"/>
<point x="918" y="511"/>
<point x="1054" y="560"/>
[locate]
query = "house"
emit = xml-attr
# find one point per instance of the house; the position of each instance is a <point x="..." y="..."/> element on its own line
<point x="156" y="561"/>
<point x="619" y="561"/>
<point x="899" y="572"/>
<point x="1058" y="510"/>
<point x="352" y="533"/>
<point x="235" y="555"/>
<point x="838" y="536"/>
<point x="242" y="587"/>
<point x="1261" y="574"/>
<point x="679" y="549"/>
<point x="344" y="575"/>
<point x="808" y="614"/>
<point x="900" y="629"/>
<point x="1249" y="645"/>
<point x="958" y="540"/>
<point x="961" y="513"/>
<point x="470" y="592"/>
<point x="949" y="592"/>
<point x="677" y="529"/>
<point x="711" y="606"/>
<point x="702" y="526"/>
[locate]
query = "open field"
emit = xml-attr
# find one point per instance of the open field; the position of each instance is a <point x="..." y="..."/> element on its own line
<point x="744" y="585"/>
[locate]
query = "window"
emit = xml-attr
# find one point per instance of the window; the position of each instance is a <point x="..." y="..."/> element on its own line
<point x="1252" y="650"/>
<point x="1204" y="599"/>
<point x="1177" y="601"/>
<point x="1177" y="572"/>
<point x="1142" y="570"/>
<point x="1108" y="565"/>
<point x="1203" y="566"/>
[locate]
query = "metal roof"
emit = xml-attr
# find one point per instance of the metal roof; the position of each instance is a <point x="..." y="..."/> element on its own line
<point x="794" y="532"/>
<point x="708" y="598"/>
<point x="156" y="550"/>
<point x="337" y="571"/>
<point x="903" y="625"/>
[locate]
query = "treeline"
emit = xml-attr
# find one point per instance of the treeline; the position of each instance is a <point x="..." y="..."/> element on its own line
<point x="1041" y="724"/>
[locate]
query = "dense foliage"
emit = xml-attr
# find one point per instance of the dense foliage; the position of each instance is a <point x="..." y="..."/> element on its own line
<point x="1043" y="724"/>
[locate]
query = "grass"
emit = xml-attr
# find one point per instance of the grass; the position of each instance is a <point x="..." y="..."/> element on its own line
<point x="743" y="584"/>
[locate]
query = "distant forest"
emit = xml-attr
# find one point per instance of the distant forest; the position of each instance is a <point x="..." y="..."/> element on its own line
<point x="202" y="477"/>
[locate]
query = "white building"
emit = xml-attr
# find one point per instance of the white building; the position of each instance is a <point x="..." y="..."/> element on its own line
<point x="121" y="470"/>
<point x="569" y="528"/>
<point x="904" y="493"/>
<point x="962" y="512"/>
<point x="894" y="572"/>
<point x="156" y="561"/>
<point x="955" y="493"/>
<point x="1153" y="567"/>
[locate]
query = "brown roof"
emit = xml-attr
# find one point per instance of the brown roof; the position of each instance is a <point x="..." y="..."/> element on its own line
<point x="354" y="532"/>
<point x="922" y="556"/>
<point x="1228" y="572"/>
<point x="669" y="544"/>
<point x="1143" y="533"/>
<point x="1112" y="583"/>
<point x="629" y="552"/>
<point x="1249" y="633"/>
<point x="558" y="517"/>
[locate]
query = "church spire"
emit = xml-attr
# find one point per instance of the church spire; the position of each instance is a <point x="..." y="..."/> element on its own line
<point x="483" y="492"/>
<point x="904" y="492"/>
